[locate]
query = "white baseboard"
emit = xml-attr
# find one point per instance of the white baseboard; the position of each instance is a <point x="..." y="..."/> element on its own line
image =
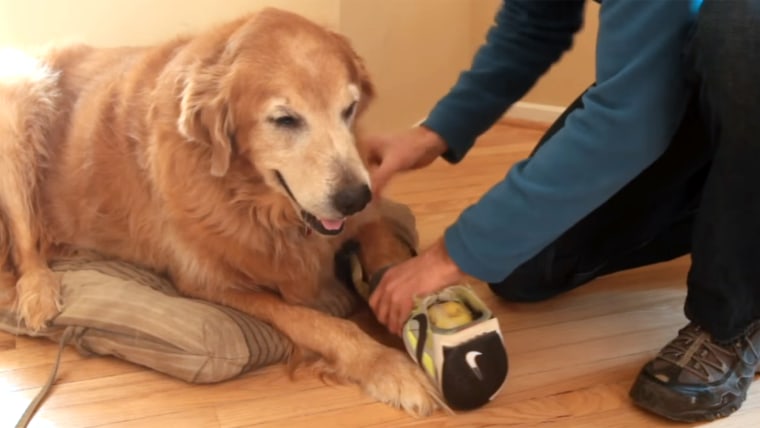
<point x="534" y="112"/>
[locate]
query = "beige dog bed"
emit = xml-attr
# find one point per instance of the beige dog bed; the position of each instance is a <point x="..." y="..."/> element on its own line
<point x="113" y="308"/>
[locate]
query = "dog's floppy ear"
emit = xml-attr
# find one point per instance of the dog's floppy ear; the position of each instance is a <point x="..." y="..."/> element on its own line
<point x="359" y="69"/>
<point x="366" y="85"/>
<point x="205" y="115"/>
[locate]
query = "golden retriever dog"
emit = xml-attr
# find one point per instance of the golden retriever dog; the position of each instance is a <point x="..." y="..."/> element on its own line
<point x="226" y="160"/>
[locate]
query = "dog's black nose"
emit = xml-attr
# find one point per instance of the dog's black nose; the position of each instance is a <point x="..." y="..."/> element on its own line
<point x="351" y="200"/>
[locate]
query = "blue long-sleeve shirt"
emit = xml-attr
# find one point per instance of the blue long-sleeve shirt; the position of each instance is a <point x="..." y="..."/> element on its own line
<point x="627" y="121"/>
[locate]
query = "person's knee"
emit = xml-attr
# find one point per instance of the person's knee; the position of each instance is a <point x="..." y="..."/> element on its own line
<point x="540" y="278"/>
<point x="520" y="291"/>
<point x="726" y="31"/>
<point x="724" y="58"/>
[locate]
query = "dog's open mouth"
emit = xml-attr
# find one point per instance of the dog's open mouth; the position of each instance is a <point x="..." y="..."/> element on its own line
<point x="321" y="225"/>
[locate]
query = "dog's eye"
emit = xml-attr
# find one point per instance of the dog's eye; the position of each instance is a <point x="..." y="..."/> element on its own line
<point x="349" y="112"/>
<point x="287" y="121"/>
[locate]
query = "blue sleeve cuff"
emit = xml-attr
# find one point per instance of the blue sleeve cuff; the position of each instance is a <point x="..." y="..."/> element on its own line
<point x="450" y="130"/>
<point x="467" y="261"/>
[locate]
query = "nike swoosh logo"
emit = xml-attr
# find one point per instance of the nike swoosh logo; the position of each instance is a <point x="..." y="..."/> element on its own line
<point x="470" y="358"/>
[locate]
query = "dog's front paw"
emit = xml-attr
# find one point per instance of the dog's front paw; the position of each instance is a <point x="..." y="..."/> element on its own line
<point x="394" y="379"/>
<point x="38" y="297"/>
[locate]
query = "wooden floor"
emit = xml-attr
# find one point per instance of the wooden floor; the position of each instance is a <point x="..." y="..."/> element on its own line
<point x="572" y="359"/>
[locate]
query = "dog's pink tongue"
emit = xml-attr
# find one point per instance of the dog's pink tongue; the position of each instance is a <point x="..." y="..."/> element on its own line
<point x="332" y="224"/>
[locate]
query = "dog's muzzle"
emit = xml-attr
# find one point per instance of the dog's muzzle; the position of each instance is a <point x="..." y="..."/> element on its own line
<point x="324" y="227"/>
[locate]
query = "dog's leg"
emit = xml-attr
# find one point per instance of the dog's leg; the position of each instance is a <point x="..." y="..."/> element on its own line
<point x="7" y="276"/>
<point x="7" y="285"/>
<point x="384" y="373"/>
<point x="38" y="288"/>
<point x="382" y="245"/>
<point x="27" y="109"/>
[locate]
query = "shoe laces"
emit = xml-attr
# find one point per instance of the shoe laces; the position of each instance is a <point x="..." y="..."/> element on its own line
<point x="694" y="351"/>
<point x="751" y="345"/>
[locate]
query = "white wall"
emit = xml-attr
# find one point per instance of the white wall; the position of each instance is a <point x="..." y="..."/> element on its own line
<point x="28" y="23"/>
<point x="415" y="50"/>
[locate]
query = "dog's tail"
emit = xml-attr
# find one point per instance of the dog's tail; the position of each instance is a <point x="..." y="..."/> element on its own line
<point x="29" y="94"/>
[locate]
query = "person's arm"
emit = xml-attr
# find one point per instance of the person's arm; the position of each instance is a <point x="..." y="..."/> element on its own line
<point x="627" y="121"/>
<point x="527" y="38"/>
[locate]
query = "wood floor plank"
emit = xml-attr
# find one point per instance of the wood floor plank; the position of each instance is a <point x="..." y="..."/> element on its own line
<point x="7" y="342"/>
<point x="361" y="415"/>
<point x="43" y="353"/>
<point x="204" y="417"/>
<point x="72" y="370"/>
<point x="553" y="410"/>
<point x="302" y="404"/>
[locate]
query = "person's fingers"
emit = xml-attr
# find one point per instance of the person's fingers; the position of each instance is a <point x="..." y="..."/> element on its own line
<point x="386" y="299"/>
<point x="381" y="174"/>
<point x="375" y="297"/>
<point x="394" y="326"/>
<point x="400" y="301"/>
<point x="379" y="180"/>
<point x="401" y="314"/>
<point x="394" y="317"/>
<point x="379" y="304"/>
<point x="374" y="155"/>
<point x="393" y="300"/>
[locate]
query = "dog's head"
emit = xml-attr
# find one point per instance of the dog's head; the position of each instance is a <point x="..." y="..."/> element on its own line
<point x="280" y="96"/>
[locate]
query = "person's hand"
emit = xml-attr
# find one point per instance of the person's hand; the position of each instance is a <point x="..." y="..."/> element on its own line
<point x="393" y="153"/>
<point x="393" y="299"/>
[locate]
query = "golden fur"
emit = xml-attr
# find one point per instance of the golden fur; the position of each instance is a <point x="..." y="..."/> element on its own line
<point x="168" y="157"/>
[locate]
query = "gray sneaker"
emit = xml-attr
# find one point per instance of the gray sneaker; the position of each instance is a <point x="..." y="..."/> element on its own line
<point x="695" y="379"/>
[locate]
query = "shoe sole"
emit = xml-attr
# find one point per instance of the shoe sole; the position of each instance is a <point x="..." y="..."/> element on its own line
<point x="648" y="394"/>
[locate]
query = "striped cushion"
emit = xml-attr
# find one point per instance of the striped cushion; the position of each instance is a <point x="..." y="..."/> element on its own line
<point x="132" y="314"/>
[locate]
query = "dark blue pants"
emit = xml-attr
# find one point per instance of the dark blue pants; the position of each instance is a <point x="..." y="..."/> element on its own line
<point x="701" y="197"/>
